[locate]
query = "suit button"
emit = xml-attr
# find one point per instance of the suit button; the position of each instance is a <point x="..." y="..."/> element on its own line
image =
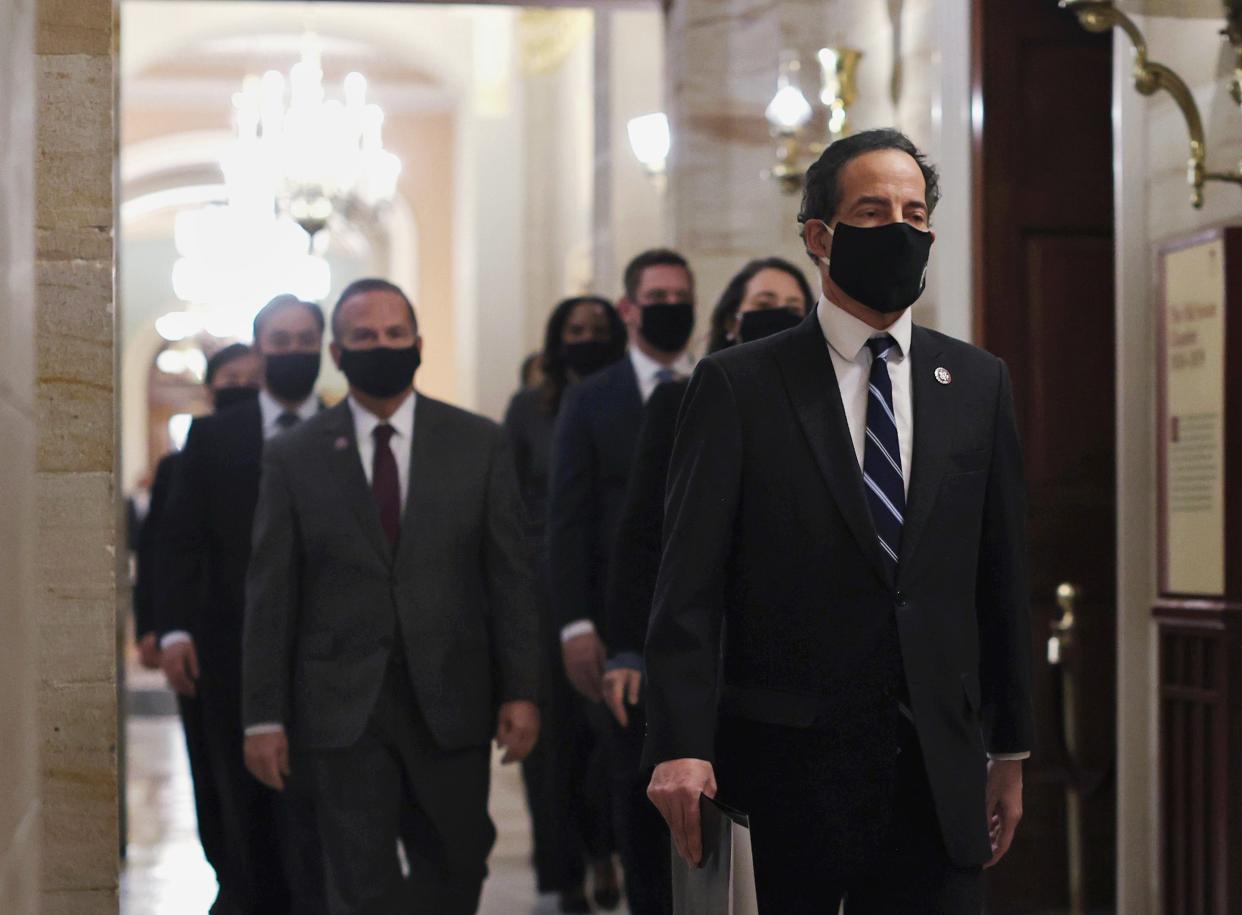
<point x="901" y="599"/>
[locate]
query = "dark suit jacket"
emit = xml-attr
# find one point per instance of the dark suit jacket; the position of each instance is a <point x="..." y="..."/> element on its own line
<point x="148" y="545"/>
<point x="529" y="425"/>
<point x="769" y="537"/>
<point x="592" y="452"/>
<point x="636" y="555"/>
<point x="205" y="536"/>
<point x="328" y="599"/>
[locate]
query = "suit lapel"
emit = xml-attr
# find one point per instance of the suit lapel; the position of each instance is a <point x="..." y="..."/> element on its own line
<point x="341" y="448"/>
<point x="933" y="430"/>
<point x="812" y="385"/>
<point x="424" y="472"/>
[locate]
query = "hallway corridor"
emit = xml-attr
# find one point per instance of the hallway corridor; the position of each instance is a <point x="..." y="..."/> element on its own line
<point x="166" y="874"/>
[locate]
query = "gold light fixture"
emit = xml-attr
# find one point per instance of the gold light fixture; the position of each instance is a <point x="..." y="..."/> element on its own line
<point x="789" y="114"/>
<point x="1151" y="77"/>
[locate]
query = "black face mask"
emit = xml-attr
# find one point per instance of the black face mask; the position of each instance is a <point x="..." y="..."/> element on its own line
<point x="381" y="371"/>
<point x="224" y="398"/>
<point x="884" y="267"/>
<point x="291" y="376"/>
<point x="755" y="325"/>
<point x="589" y="356"/>
<point x="668" y="327"/>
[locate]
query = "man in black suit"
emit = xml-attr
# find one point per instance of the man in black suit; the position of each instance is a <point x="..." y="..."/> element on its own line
<point x="391" y="626"/>
<point x="232" y="377"/>
<point x="846" y="511"/>
<point x="271" y="859"/>
<point x="592" y="454"/>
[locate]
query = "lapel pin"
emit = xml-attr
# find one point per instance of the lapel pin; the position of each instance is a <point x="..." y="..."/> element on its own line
<point x="341" y="443"/>
<point x="943" y="376"/>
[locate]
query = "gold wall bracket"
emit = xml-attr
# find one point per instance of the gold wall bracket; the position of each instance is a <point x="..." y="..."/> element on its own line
<point x="1151" y="77"/>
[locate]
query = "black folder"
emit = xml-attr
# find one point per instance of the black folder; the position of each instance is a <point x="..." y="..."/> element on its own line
<point x="724" y="883"/>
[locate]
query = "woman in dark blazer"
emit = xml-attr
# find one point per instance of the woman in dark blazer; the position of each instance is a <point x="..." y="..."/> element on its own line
<point x="767" y="296"/>
<point x="565" y="777"/>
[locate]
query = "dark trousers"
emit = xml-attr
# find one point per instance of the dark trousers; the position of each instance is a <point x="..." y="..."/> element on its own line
<point x="876" y="844"/>
<point x="395" y="784"/>
<point x="270" y="860"/>
<point x="642" y="837"/>
<point x="206" y="799"/>
<point x="567" y="786"/>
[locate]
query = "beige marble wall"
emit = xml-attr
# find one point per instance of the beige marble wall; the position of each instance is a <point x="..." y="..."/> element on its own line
<point x="75" y="580"/>
<point x="19" y="736"/>
<point x="722" y="62"/>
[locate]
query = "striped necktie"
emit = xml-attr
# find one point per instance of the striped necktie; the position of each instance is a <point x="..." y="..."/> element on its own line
<point x="886" y="491"/>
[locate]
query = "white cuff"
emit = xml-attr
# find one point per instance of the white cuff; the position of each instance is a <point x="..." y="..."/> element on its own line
<point x="577" y="628"/>
<point x="176" y="637"/>
<point x="1009" y="757"/>
<point x="266" y="728"/>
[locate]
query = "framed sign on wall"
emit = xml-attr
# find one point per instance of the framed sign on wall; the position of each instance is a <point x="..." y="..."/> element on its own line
<point x="1197" y="279"/>
<point x="1198" y="610"/>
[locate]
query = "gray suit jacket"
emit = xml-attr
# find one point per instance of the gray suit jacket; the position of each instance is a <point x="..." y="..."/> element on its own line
<point x="325" y="591"/>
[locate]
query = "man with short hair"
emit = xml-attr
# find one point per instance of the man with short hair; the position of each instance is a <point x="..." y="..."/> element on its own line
<point x="592" y="453"/>
<point x="269" y="846"/>
<point x="391" y="622"/>
<point x="840" y="641"/>
<point x="232" y="377"/>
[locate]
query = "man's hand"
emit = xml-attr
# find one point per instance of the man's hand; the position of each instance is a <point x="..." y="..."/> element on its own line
<point x="584" y="657"/>
<point x="1004" y="797"/>
<point x="267" y="758"/>
<point x="622" y="686"/>
<point x="149" y="651"/>
<point x="180" y="663"/>
<point x="675" y="788"/>
<point x="517" y="730"/>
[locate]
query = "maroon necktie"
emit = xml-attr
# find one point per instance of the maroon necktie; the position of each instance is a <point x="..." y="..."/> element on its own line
<point x="385" y="484"/>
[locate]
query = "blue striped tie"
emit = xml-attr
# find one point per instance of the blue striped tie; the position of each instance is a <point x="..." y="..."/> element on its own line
<point x="886" y="491"/>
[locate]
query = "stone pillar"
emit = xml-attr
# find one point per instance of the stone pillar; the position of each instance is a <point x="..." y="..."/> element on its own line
<point x="75" y="388"/>
<point x="722" y="63"/>
<point x="19" y="734"/>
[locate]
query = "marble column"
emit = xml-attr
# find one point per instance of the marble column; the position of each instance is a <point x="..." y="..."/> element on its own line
<point x="19" y="734"/>
<point x="722" y="66"/>
<point x="76" y="543"/>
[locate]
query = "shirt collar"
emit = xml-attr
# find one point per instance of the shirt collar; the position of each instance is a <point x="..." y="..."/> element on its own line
<point x="647" y="368"/>
<point x="848" y="335"/>
<point x="401" y="421"/>
<point x="270" y="408"/>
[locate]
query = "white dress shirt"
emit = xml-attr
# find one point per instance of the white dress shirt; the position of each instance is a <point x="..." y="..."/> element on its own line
<point x="847" y="342"/>
<point x="647" y="370"/>
<point x="270" y="410"/>
<point x="365" y="422"/>
<point x="847" y="338"/>
<point x="402" y="423"/>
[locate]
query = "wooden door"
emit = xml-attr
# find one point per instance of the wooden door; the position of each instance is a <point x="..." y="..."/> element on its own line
<point x="1044" y="302"/>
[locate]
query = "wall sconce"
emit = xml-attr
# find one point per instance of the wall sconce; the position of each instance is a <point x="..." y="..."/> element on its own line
<point x="789" y="113"/>
<point x="651" y="141"/>
<point x="1151" y="77"/>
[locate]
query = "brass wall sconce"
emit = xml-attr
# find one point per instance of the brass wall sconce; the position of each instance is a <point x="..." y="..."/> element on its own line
<point x="1151" y="77"/>
<point x="789" y="114"/>
<point x="651" y="140"/>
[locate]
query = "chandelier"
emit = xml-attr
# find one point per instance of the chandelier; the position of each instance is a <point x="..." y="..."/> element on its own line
<point x="299" y="163"/>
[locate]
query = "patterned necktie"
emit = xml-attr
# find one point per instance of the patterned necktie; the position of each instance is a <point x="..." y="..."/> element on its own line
<point x="385" y="484"/>
<point x="886" y="492"/>
<point x="286" y="421"/>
